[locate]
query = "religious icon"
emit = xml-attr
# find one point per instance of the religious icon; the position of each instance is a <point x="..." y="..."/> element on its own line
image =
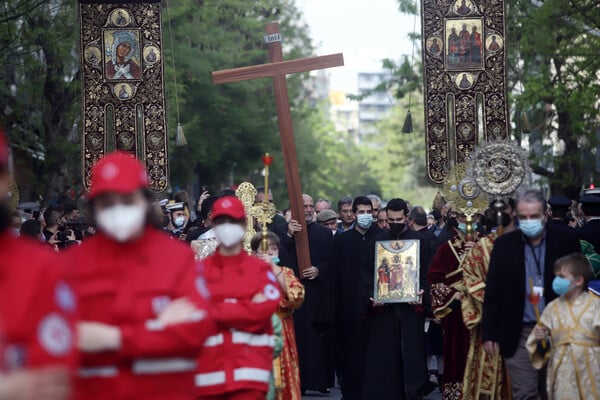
<point x="123" y="91"/>
<point x="120" y="17"/>
<point x="151" y="54"/>
<point x="92" y="55"/>
<point x="122" y="58"/>
<point x="494" y="43"/>
<point x="464" y="8"/>
<point x="397" y="271"/>
<point x="434" y="45"/>
<point x="464" y="47"/>
<point x="464" y="80"/>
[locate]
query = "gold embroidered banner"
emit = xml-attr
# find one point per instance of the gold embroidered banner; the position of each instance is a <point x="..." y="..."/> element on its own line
<point x="465" y="79"/>
<point x="123" y="87"/>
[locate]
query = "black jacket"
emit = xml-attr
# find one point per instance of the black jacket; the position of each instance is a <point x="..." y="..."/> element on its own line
<point x="368" y="268"/>
<point x="504" y="300"/>
<point x="591" y="232"/>
<point x="349" y="249"/>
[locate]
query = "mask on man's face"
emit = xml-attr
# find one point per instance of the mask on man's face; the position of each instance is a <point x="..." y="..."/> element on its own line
<point x="122" y="222"/>
<point x="397" y="227"/>
<point x="178" y="222"/>
<point x="229" y="234"/>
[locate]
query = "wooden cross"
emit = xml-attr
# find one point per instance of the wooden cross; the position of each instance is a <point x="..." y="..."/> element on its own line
<point x="278" y="69"/>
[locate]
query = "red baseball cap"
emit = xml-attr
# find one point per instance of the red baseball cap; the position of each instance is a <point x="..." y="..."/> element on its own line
<point x="117" y="172"/>
<point x="3" y="148"/>
<point x="228" y="206"/>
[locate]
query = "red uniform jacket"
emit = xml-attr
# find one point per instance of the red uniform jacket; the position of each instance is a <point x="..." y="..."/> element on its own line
<point x="240" y="355"/>
<point x="36" y="307"/>
<point x="127" y="285"/>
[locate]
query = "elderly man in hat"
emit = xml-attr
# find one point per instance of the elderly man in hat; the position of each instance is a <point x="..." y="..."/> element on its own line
<point x="328" y="218"/>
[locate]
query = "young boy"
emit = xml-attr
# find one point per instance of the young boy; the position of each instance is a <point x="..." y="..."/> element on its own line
<point x="568" y="334"/>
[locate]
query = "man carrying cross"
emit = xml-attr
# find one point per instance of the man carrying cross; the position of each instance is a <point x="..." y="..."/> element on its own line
<point x="311" y="263"/>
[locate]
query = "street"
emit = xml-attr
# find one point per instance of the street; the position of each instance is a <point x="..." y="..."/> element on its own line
<point x="336" y="395"/>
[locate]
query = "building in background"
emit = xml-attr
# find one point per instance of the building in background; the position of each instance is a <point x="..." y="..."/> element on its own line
<point x="344" y="114"/>
<point x="375" y="106"/>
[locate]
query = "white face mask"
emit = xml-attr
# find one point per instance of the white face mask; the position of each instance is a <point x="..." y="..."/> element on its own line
<point x="229" y="234"/>
<point x="179" y="222"/>
<point x="122" y="222"/>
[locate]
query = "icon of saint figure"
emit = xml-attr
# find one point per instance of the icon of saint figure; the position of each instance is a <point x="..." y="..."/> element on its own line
<point x="121" y="20"/>
<point x="475" y="41"/>
<point x="453" y="46"/>
<point x="464" y="44"/>
<point x="121" y="65"/>
<point x="435" y="47"/>
<point x="464" y="82"/>
<point x="123" y="93"/>
<point x="464" y="9"/>
<point x="494" y="46"/>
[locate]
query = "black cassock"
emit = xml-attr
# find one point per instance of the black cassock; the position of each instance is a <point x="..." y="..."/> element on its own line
<point x="349" y="250"/>
<point x="395" y="358"/>
<point x="313" y="322"/>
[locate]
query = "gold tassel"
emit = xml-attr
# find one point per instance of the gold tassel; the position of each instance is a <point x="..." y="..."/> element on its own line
<point x="180" y="137"/>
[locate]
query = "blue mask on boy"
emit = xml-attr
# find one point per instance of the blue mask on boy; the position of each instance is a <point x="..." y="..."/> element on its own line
<point x="560" y="285"/>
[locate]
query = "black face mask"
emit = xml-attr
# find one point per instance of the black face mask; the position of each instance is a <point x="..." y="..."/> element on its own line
<point x="397" y="228"/>
<point x="506" y="219"/>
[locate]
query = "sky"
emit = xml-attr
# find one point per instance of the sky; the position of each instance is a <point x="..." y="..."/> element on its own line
<point x="366" y="31"/>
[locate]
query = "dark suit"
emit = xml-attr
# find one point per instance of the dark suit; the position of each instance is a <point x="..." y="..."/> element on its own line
<point x="349" y="249"/>
<point x="395" y="359"/>
<point x="313" y="322"/>
<point x="504" y="300"/>
<point x="591" y="232"/>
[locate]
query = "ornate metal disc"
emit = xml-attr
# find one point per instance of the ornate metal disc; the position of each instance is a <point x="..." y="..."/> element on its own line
<point x="499" y="168"/>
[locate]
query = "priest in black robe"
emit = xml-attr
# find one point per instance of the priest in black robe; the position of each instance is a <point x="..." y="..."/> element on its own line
<point x="349" y="250"/>
<point x="395" y="362"/>
<point x="314" y="321"/>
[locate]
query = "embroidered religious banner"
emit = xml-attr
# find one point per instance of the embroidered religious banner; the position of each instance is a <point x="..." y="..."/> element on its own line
<point x="396" y="271"/>
<point x="123" y="90"/>
<point x="464" y="77"/>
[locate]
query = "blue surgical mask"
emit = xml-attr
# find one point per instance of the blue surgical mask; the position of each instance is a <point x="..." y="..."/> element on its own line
<point x="463" y="227"/>
<point x="531" y="228"/>
<point x="364" y="220"/>
<point x="275" y="260"/>
<point x="560" y="285"/>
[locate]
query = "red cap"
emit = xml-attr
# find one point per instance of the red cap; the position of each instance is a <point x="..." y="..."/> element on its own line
<point x="3" y="148"/>
<point x="228" y="206"/>
<point x="117" y="172"/>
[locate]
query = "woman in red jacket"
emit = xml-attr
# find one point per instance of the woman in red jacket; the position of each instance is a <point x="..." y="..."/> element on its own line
<point x="142" y="315"/>
<point x="236" y="363"/>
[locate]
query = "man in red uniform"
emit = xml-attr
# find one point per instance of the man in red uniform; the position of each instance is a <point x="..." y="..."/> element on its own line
<point x="142" y="314"/>
<point x="236" y="363"/>
<point x="36" y="310"/>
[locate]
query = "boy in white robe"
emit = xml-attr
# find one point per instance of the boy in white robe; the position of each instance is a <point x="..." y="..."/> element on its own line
<point x="567" y="336"/>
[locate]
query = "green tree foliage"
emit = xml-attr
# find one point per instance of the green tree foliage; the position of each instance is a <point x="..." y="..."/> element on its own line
<point x="228" y="127"/>
<point x="553" y="49"/>
<point x="39" y="92"/>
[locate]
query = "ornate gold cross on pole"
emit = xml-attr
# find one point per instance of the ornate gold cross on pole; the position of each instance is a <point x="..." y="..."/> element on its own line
<point x="277" y="69"/>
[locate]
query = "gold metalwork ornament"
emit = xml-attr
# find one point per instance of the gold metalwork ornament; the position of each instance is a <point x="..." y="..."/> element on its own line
<point x="499" y="167"/>
<point x="246" y="192"/>
<point x="13" y="191"/>
<point x="463" y="193"/>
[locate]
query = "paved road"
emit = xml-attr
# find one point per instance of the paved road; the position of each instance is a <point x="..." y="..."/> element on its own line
<point x="336" y="395"/>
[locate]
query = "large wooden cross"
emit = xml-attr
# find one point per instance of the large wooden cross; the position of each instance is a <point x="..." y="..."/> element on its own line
<point x="278" y="69"/>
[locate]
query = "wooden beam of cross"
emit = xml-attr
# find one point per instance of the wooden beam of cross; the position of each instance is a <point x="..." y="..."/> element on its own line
<point x="278" y="69"/>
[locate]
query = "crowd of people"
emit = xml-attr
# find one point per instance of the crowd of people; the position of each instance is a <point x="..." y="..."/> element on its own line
<point x="137" y="298"/>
